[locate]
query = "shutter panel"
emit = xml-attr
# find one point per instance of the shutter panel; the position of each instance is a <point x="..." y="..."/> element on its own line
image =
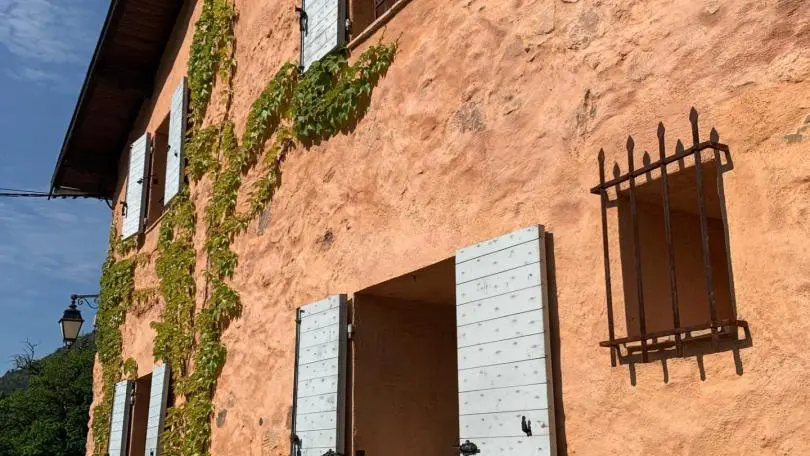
<point x="136" y="186"/>
<point x="325" y="29"/>
<point x="119" y="427"/>
<point x="159" y="393"/>
<point x="503" y="348"/>
<point x="321" y="376"/>
<point x="177" y="135"/>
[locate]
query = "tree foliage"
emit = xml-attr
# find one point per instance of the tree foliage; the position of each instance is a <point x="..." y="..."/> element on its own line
<point x="49" y="415"/>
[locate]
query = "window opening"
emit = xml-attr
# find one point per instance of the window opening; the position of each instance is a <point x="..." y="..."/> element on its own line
<point x="676" y="278"/>
<point x="139" y="415"/>
<point x="365" y="12"/>
<point x="157" y="173"/>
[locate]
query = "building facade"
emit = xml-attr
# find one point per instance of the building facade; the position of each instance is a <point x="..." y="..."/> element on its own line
<point x="480" y="256"/>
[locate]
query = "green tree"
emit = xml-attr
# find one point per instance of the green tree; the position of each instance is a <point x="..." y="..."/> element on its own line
<point x="49" y="416"/>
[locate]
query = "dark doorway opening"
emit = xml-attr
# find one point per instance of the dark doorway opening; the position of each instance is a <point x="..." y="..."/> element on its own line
<point x="404" y="365"/>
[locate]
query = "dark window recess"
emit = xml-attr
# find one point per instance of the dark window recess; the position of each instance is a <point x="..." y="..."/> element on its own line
<point x="365" y="12"/>
<point x="676" y="279"/>
<point x="157" y="173"/>
<point x="139" y="418"/>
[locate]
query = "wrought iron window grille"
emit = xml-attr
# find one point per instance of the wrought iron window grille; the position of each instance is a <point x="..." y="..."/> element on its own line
<point x="625" y="186"/>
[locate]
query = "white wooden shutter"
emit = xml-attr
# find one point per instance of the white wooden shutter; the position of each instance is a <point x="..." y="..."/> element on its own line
<point x="503" y="348"/>
<point x="136" y="187"/>
<point x="119" y="427"/>
<point x="177" y="135"/>
<point x="325" y="29"/>
<point x="321" y="375"/>
<point x="158" y="394"/>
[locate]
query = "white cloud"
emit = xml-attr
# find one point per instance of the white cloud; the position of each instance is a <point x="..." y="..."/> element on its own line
<point x="53" y="31"/>
<point x="33" y="75"/>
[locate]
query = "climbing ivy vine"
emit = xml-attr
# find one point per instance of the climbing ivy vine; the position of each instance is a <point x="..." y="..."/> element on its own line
<point x="293" y="110"/>
<point x="115" y="296"/>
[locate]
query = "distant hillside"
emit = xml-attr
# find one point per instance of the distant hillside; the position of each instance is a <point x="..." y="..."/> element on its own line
<point x="15" y="379"/>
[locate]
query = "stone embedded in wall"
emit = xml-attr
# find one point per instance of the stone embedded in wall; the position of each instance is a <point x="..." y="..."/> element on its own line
<point x="584" y="29"/>
<point x="798" y="136"/>
<point x="326" y="241"/>
<point x="469" y="118"/>
<point x="221" y="416"/>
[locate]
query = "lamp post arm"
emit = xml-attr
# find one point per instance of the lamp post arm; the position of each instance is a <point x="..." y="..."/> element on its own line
<point x="91" y="300"/>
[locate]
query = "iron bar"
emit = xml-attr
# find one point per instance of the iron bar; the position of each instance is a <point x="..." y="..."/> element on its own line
<point x="704" y="225"/>
<point x="652" y="166"/>
<point x="673" y="281"/>
<point x="642" y="323"/>
<point x="672" y="332"/>
<point x="649" y="341"/>
<point x="606" y="248"/>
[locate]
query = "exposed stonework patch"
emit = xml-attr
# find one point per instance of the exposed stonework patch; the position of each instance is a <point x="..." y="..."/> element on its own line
<point x="221" y="416"/>
<point x="326" y="241"/>
<point x="264" y="220"/>
<point x="469" y="118"/>
<point x="583" y="30"/>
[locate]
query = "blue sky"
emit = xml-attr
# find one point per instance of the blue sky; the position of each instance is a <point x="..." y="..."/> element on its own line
<point x="48" y="249"/>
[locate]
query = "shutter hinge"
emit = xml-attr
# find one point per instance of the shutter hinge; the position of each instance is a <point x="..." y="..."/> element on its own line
<point x="350" y="331"/>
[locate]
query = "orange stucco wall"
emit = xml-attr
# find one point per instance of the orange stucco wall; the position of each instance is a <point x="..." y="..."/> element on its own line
<point x="489" y="120"/>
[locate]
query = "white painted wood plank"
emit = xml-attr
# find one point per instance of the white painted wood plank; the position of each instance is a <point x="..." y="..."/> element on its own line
<point x="320" y="390"/>
<point x="498" y="243"/>
<point x="317" y="439"/>
<point x="314" y="451"/>
<point x="119" y="429"/>
<point x="505" y="351"/>
<point x="499" y="306"/>
<point x="498" y="284"/>
<point x="317" y="404"/>
<point x="510" y="327"/>
<point x="317" y="337"/>
<point x="177" y="134"/>
<point x="318" y="386"/>
<point x="503" y="375"/>
<point x="332" y="302"/>
<point x="136" y="182"/>
<point x="502" y="260"/>
<point x="318" y="353"/>
<point x="316" y="421"/>
<point x="151" y="442"/>
<point x="528" y="397"/>
<point x="157" y="408"/>
<point x="320" y="320"/>
<point x="511" y="446"/>
<point x="506" y="424"/>
<point x="320" y="369"/>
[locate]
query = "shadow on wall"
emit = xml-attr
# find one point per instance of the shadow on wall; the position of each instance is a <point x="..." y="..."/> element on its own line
<point x="554" y="325"/>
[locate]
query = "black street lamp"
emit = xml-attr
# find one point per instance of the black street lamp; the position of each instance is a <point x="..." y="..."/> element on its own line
<point x="71" y="322"/>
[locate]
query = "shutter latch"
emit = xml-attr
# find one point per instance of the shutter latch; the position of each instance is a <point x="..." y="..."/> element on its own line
<point x="468" y="448"/>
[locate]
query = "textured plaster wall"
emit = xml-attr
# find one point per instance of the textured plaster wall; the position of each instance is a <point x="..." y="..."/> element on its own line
<point x="405" y="389"/>
<point x="489" y="120"/>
